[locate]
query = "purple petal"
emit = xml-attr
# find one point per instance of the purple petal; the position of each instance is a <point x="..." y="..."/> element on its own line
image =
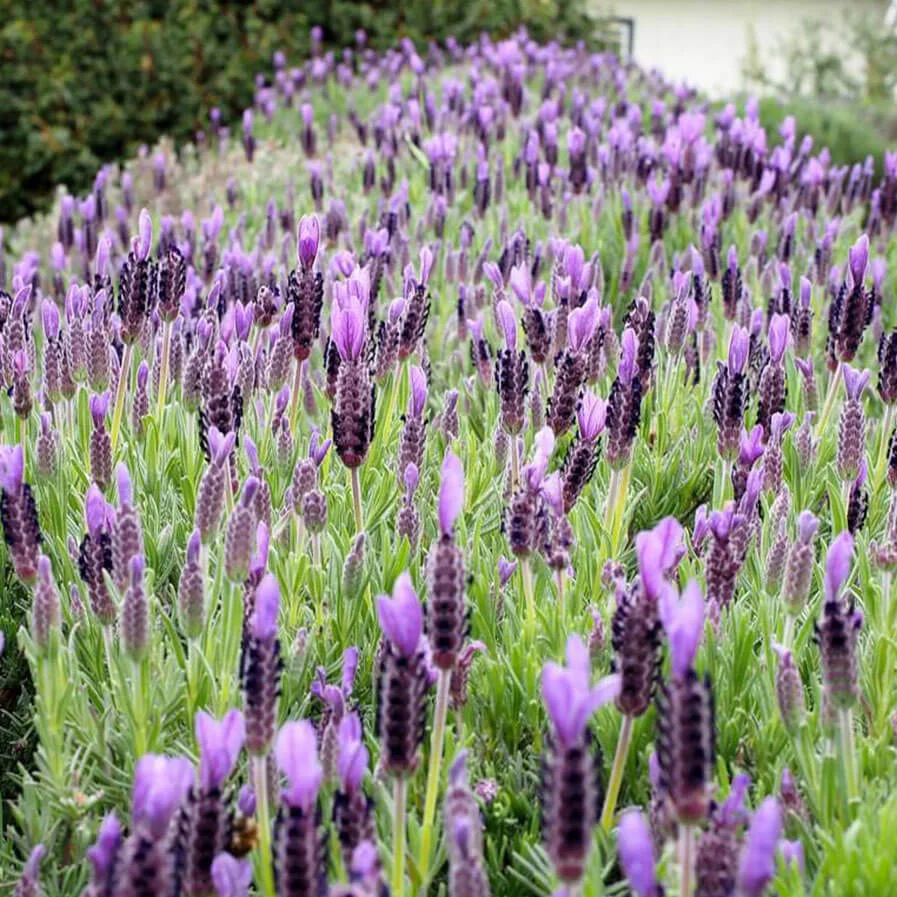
<point x="267" y="608"/>
<point x="628" y="353"/>
<point x="683" y="620"/>
<point x="104" y="851"/>
<point x="807" y="524"/>
<point x="296" y="752"/>
<point x="859" y="258"/>
<point x="854" y="381"/>
<point x="649" y="553"/>
<point x="352" y="760"/>
<point x="779" y="333"/>
<point x="160" y="784"/>
<point x="508" y="323"/>
<point x="50" y="319"/>
<point x="738" y="350"/>
<point x="581" y="325"/>
<point x="636" y="848"/>
<point x="230" y="876"/>
<point x="12" y="468"/>
<point x="418" y="399"/>
<point x="592" y="416"/>
<point x="145" y="240"/>
<point x="837" y="565"/>
<point x="220" y="743"/>
<point x="95" y="510"/>
<point x="451" y="492"/>
<point x="401" y="617"/>
<point x="308" y="240"/>
<point x="757" y="865"/>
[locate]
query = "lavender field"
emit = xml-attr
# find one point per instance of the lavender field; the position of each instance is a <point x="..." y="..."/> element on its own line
<point x="472" y="472"/>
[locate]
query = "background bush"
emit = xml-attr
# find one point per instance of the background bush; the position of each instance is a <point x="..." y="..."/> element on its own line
<point x="87" y="81"/>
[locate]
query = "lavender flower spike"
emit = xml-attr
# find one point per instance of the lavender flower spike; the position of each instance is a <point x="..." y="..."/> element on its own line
<point x="636" y="850"/>
<point x="451" y="492"/>
<point x="758" y="856"/>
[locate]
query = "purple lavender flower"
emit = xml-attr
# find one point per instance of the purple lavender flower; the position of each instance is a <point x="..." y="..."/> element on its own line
<point x="352" y="415"/>
<point x="757" y="865"/>
<point x="570" y="796"/>
<point x="404" y="678"/>
<point x="624" y="403"/>
<point x="446" y="605"/>
<point x="18" y="514"/>
<point x="300" y="860"/>
<point x="261" y="667"/>
<point x="683" y="620"/>
<point x="852" y="426"/>
<point x="103" y="854"/>
<point x="231" y="877"/>
<point x="353" y="811"/>
<point x="636" y="849"/>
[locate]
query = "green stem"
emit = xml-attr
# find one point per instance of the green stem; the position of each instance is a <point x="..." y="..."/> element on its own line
<point x="526" y="574"/>
<point x="721" y="483"/>
<point x="294" y="395"/>
<point x="686" y="859"/>
<point x="442" y="695"/>
<point x="887" y="424"/>
<point x="616" y="502"/>
<point x="562" y="595"/>
<point x="829" y="403"/>
<point x="163" y="370"/>
<point x="123" y="373"/>
<point x="263" y="814"/>
<point x="788" y="633"/>
<point x="107" y="645"/>
<point x="140" y="739"/>
<point x="515" y="462"/>
<point x="848" y="751"/>
<point x="397" y="378"/>
<point x="356" y="501"/>
<point x="398" y="838"/>
<point x="616" y="773"/>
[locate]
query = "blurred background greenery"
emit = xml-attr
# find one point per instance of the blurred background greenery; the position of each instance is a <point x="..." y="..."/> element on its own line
<point x="87" y="81"/>
<point x="839" y="83"/>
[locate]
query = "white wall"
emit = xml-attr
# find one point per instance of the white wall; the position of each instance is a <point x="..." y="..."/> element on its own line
<point x="704" y="42"/>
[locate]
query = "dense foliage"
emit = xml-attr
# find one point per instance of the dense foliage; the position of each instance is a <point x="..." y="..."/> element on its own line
<point x="455" y="434"/>
<point x="86" y="82"/>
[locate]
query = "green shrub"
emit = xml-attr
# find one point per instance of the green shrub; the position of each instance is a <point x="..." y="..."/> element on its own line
<point x="87" y="81"/>
<point x="850" y="131"/>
